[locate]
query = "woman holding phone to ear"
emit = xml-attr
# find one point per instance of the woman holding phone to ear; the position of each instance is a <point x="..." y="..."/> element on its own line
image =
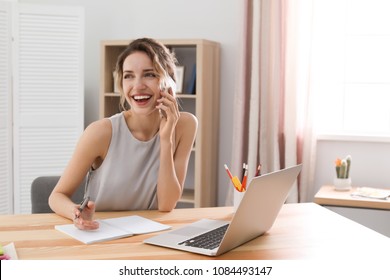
<point x="136" y="159"/>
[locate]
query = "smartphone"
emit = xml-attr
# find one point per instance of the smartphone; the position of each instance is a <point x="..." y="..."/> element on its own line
<point x="166" y="84"/>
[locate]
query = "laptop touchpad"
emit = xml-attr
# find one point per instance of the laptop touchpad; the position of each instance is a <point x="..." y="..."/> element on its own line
<point x="188" y="231"/>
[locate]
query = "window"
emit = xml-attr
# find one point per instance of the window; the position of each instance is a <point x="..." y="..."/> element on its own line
<point x="351" y="67"/>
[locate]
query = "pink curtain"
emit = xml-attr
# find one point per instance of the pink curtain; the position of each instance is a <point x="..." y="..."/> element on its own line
<point x="272" y="116"/>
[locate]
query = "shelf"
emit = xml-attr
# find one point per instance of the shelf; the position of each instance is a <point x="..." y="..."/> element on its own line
<point x="200" y="59"/>
<point x="184" y="96"/>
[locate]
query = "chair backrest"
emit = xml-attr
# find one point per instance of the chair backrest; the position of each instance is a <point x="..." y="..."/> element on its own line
<point x="41" y="189"/>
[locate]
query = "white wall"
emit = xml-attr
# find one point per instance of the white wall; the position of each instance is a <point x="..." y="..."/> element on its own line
<point x="370" y="161"/>
<point x="221" y="21"/>
<point x="217" y="20"/>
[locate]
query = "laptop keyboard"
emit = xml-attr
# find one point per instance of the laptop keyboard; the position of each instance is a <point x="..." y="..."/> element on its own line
<point x="209" y="240"/>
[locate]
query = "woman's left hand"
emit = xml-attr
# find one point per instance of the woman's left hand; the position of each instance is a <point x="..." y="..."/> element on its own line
<point x="170" y="114"/>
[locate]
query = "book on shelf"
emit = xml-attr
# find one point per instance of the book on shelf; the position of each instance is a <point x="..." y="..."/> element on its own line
<point x="191" y="86"/>
<point x="114" y="82"/>
<point x="113" y="228"/>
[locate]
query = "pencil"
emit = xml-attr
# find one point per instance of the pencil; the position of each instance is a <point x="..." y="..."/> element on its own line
<point x="258" y="170"/>
<point x="243" y="171"/>
<point x="237" y="184"/>
<point x="244" y="179"/>
<point x="228" y="172"/>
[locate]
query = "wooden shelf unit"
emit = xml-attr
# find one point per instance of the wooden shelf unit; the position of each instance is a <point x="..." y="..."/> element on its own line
<point x="200" y="188"/>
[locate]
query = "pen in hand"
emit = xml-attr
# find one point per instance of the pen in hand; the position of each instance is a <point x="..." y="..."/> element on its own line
<point x="82" y="206"/>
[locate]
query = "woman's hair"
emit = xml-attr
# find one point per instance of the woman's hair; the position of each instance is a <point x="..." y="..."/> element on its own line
<point x="163" y="60"/>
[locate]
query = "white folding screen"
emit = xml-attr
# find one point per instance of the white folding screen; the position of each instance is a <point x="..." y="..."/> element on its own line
<point x="6" y="195"/>
<point x="48" y="99"/>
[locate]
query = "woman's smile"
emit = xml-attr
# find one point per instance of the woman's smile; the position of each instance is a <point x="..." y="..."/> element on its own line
<point x="142" y="98"/>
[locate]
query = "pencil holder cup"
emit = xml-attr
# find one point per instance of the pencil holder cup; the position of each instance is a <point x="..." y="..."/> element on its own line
<point x="342" y="184"/>
<point x="237" y="197"/>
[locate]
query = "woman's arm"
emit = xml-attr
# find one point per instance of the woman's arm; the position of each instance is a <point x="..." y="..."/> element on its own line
<point x="174" y="163"/>
<point x="90" y="151"/>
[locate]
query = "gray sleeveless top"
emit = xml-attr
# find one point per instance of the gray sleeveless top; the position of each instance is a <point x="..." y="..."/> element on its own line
<point x="127" y="178"/>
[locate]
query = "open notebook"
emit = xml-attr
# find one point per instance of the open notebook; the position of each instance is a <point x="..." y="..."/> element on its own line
<point x="113" y="228"/>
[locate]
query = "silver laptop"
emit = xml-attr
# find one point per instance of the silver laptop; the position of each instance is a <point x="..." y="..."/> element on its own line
<point x="254" y="216"/>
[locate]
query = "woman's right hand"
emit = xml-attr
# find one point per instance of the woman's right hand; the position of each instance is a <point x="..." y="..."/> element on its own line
<point x="84" y="219"/>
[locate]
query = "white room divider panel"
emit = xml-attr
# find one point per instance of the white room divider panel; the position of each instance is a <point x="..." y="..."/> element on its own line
<point x="48" y="87"/>
<point x="5" y="110"/>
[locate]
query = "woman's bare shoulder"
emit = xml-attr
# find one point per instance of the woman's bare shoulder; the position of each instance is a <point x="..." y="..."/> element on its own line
<point x="187" y="118"/>
<point x="187" y="126"/>
<point x="102" y="126"/>
<point x="99" y="132"/>
<point x="104" y="123"/>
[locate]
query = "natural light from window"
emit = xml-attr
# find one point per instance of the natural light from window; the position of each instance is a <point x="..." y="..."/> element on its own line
<point x="351" y="67"/>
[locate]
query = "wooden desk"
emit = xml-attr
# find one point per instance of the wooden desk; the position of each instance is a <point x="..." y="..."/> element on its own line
<point x="301" y="231"/>
<point x="372" y="213"/>
<point x="327" y="195"/>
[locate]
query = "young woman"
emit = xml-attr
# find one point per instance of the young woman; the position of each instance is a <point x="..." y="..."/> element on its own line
<point x="137" y="159"/>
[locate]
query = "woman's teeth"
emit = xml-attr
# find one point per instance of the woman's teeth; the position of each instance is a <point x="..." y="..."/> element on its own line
<point x="141" y="97"/>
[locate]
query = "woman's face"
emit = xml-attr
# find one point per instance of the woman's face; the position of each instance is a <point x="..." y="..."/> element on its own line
<point x="140" y="83"/>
